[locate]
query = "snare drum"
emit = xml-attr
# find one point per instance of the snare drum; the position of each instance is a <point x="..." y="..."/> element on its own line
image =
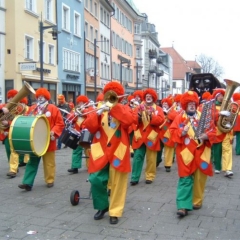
<point x="30" y="135"/>
<point x="85" y="138"/>
<point x="70" y="137"/>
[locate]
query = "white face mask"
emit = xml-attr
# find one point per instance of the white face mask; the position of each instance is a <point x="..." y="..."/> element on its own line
<point x="41" y="100"/>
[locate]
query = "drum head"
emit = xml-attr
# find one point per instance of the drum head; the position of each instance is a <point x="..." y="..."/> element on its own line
<point x="40" y="136"/>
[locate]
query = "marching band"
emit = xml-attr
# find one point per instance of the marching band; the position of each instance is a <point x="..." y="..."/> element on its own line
<point x="110" y="131"/>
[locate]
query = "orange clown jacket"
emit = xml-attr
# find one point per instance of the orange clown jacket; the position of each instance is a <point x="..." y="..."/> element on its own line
<point x="147" y="131"/>
<point x="164" y="132"/>
<point x="111" y="140"/>
<point x="190" y="154"/>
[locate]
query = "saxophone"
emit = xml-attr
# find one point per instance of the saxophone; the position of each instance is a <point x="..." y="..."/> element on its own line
<point x="226" y="123"/>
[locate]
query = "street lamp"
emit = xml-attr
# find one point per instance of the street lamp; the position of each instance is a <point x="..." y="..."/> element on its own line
<point x="54" y="32"/>
<point x="123" y="60"/>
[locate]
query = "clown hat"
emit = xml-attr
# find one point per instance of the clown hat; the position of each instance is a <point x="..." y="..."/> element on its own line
<point x="218" y="91"/>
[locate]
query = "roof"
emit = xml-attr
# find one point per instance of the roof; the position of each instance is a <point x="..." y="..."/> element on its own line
<point x="180" y="65"/>
<point x="131" y="3"/>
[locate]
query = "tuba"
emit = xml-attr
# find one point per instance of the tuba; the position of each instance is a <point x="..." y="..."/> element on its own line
<point x="15" y="108"/>
<point x="226" y="123"/>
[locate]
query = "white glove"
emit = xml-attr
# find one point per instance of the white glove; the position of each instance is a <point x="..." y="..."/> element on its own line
<point x="52" y="136"/>
<point x="225" y="113"/>
<point x="102" y="109"/>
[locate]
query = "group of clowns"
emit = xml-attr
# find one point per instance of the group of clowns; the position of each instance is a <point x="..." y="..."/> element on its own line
<point x="142" y="128"/>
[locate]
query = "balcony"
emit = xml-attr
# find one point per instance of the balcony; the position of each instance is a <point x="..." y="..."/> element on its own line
<point x="153" y="69"/>
<point x="159" y="73"/>
<point x="152" y="54"/>
<point x="159" y="60"/>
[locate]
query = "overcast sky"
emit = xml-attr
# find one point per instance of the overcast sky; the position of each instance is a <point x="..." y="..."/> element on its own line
<point x="209" y="27"/>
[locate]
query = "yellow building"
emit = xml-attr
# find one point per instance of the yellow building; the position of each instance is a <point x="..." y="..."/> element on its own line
<point x="23" y="45"/>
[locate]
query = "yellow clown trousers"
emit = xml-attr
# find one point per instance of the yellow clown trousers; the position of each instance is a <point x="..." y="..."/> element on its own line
<point x="168" y="156"/>
<point x="49" y="166"/>
<point x="14" y="161"/>
<point x="151" y="158"/>
<point x="199" y="182"/>
<point x="119" y="183"/>
<point x="227" y="153"/>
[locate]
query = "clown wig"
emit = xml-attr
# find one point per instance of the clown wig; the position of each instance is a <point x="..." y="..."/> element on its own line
<point x="236" y="97"/>
<point x="138" y="93"/>
<point x="82" y="98"/>
<point x="115" y="87"/>
<point x="100" y="97"/>
<point x="24" y="100"/>
<point x="43" y="92"/>
<point x="168" y="101"/>
<point x="151" y="92"/>
<point x="11" y="93"/>
<point x="187" y="97"/>
<point x="177" y="98"/>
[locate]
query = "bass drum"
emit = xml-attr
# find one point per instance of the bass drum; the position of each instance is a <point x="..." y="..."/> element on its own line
<point x="85" y="139"/>
<point x="70" y="137"/>
<point x="30" y="135"/>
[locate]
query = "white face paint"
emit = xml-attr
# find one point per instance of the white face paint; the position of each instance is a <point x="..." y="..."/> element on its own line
<point x="41" y="99"/>
<point x="191" y="107"/>
<point x="149" y="99"/>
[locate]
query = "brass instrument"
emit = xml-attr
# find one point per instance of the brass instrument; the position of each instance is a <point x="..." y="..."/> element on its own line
<point x="112" y="97"/>
<point x="226" y="123"/>
<point x="14" y="107"/>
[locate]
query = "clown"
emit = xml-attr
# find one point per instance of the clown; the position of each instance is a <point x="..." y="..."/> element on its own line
<point x="110" y="152"/>
<point x="222" y="148"/>
<point x="193" y="159"/>
<point x="56" y="123"/>
<point x="17" y="160"/>
<point x="146" y="139"/>
<point x="170" y="113"/>
<point x="77" y="124"/>
<point x="236" y="128"/>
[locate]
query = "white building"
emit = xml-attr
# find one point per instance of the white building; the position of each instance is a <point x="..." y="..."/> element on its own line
<point x="2" y="50"/>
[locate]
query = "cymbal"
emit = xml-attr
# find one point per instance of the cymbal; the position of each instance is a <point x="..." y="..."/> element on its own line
<point x="63" y="110"/>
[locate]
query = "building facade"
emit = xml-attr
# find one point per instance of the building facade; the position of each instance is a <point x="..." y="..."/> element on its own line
<point x="22" y="61"/>
<point x="70" y="20"/>
<point x="2" y="50"/>
<point x="124" y="61"/>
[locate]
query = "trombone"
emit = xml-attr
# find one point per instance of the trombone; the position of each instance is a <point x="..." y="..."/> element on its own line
<point x="110" y="99"/>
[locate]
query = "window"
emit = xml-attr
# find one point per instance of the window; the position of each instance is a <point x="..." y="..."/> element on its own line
<point x="138" y="53"/>
<point x="66" y="17"/>
<point x="90" y="61"/>
<point x="101" y="14"/>
<point x="51" y="54"/>
<point x="86" y="3"/>
<point x="31" y="5"/>
<point x="71" y="60"/>
<point x="96" y="10"/>
<point x="91" y="33"/>
<point x="86" y="30"/>
<point x="77" y="24"/>
<point x="49" y="10"/>
<point x="28" y="47"/>
<point x="137" y="28"/>
<point x="91" y="6"/>
<point x="96" y="34"/>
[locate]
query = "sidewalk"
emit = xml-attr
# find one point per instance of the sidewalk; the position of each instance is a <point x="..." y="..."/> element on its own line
<point x="150" y="210"/>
